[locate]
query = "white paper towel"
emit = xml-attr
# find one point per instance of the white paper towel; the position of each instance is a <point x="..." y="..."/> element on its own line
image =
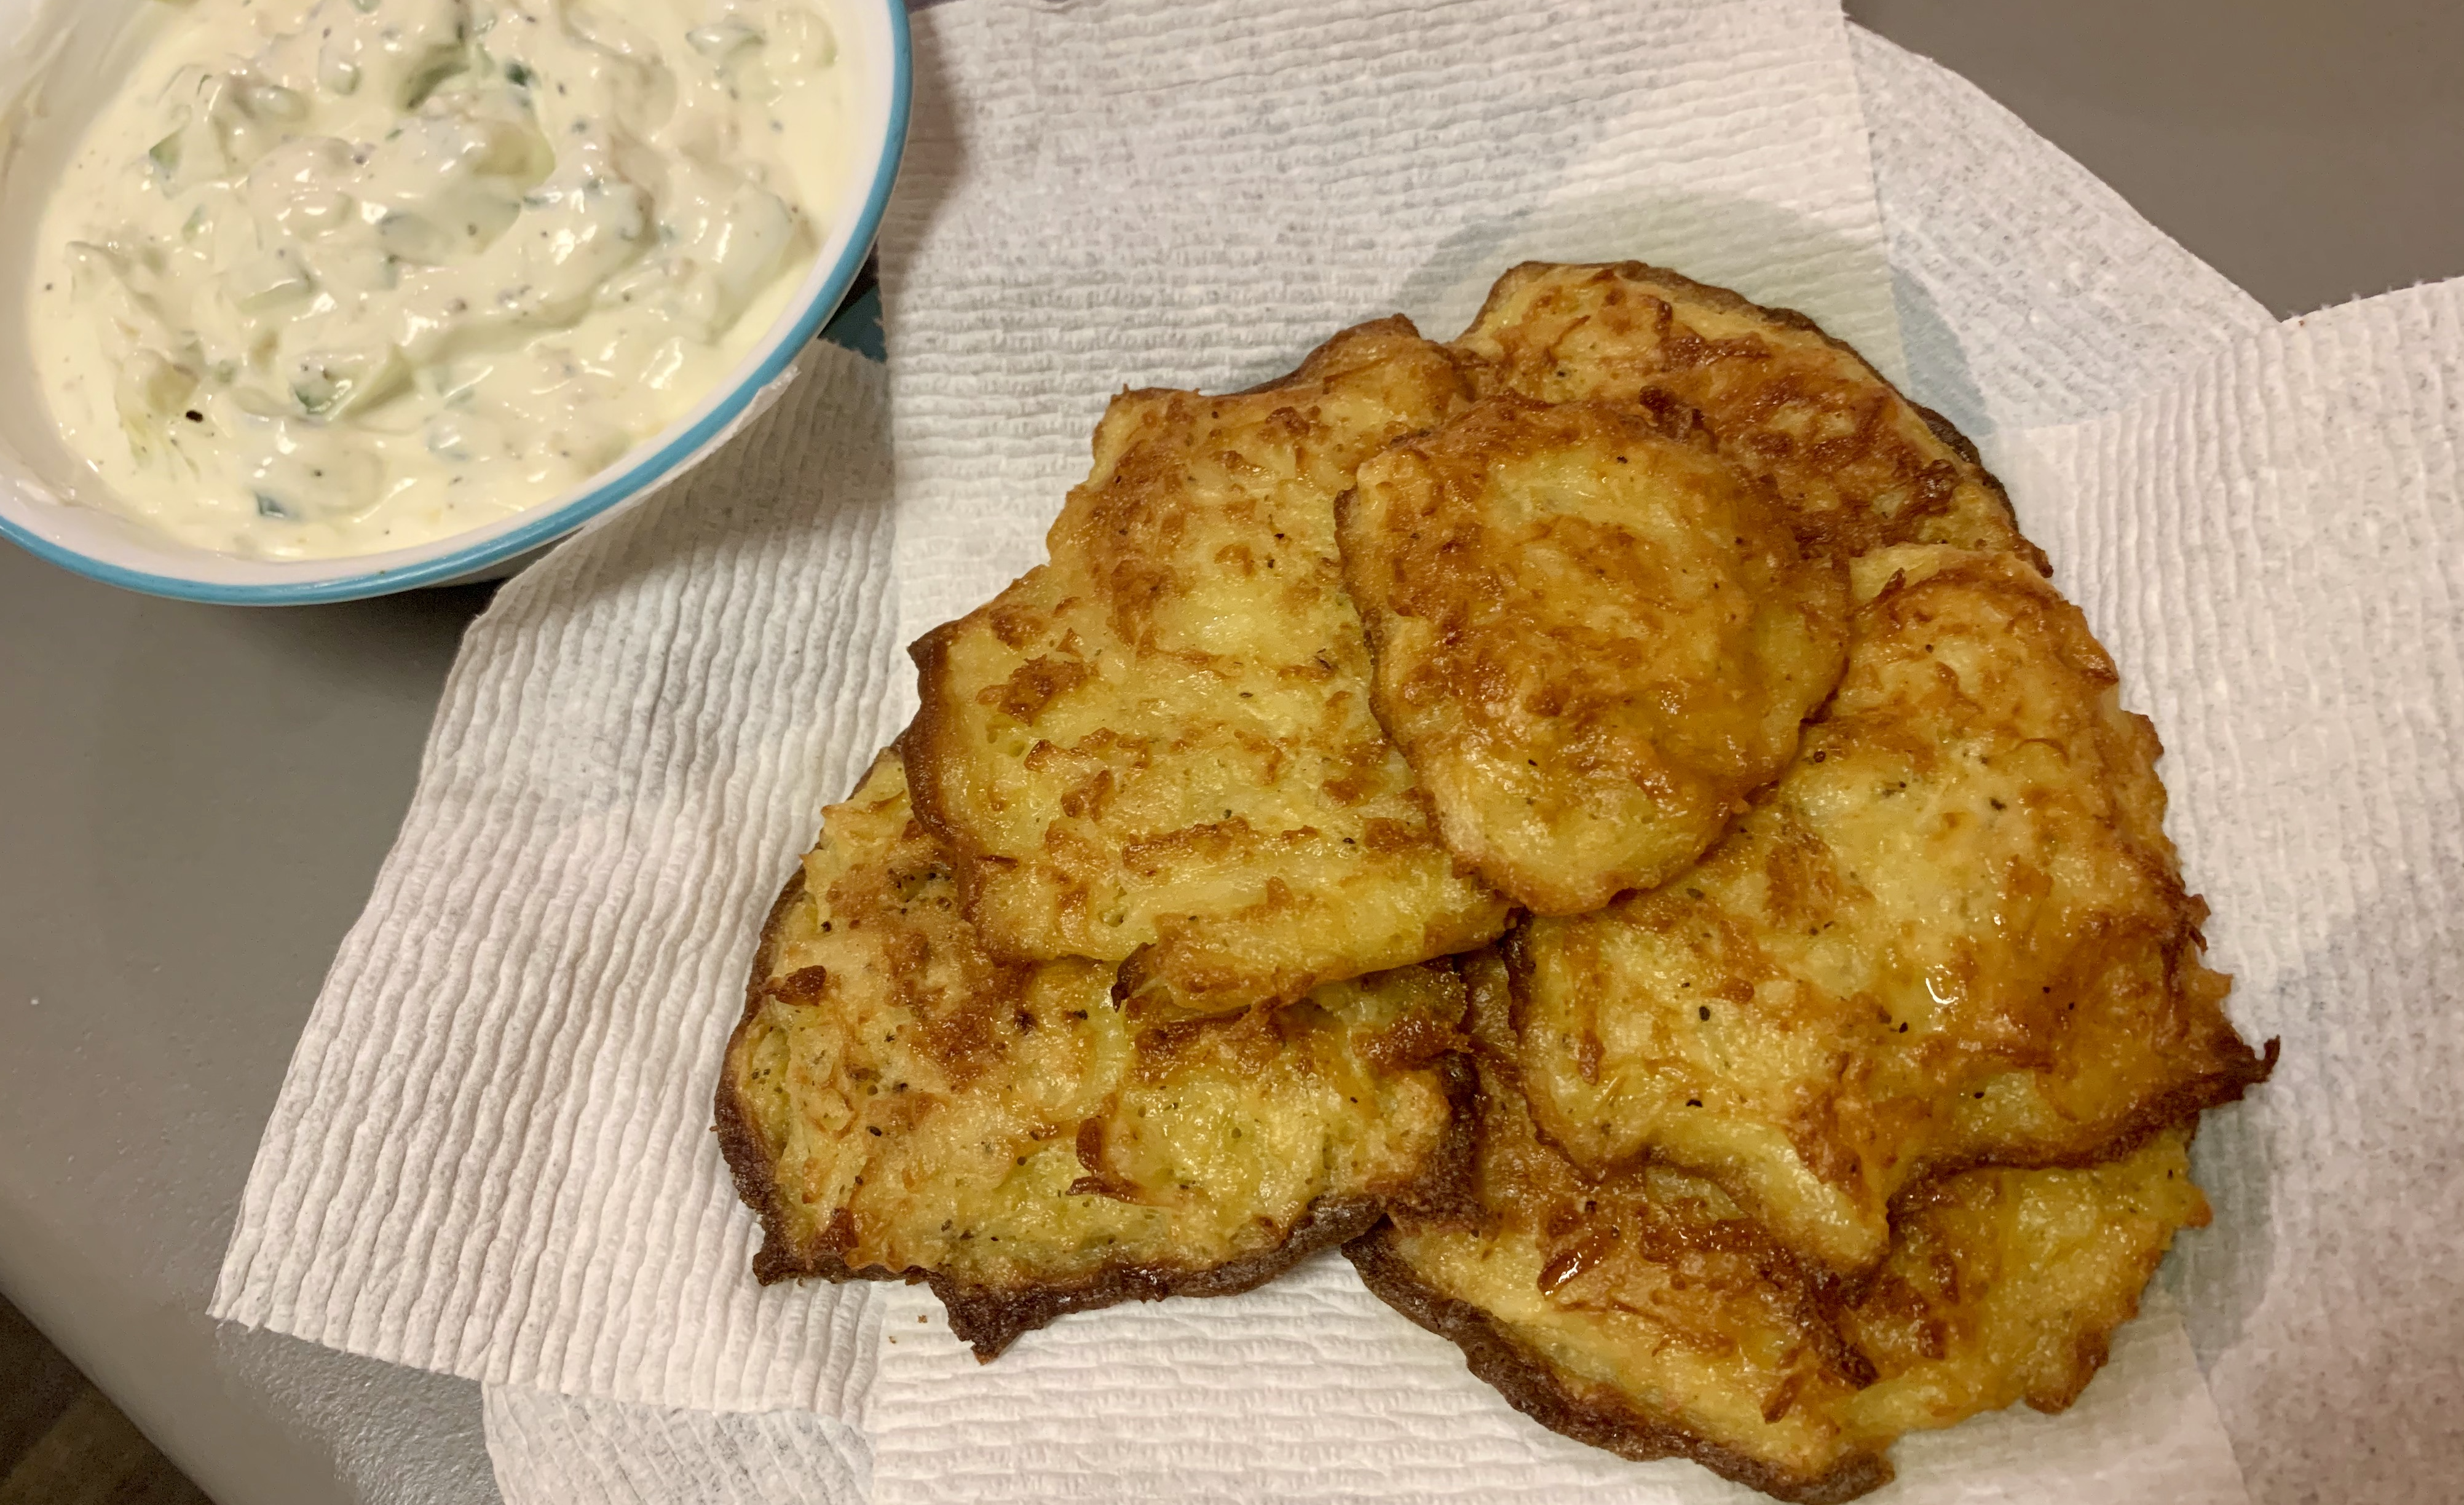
<point x="1312" y="1390"/>
<point x="565" y="1449"/>
<point x="2050" y="301"/>
<point x="2274" y="549"/>
<point x="491" y="1155"/>
<point x="2029" y="292"/>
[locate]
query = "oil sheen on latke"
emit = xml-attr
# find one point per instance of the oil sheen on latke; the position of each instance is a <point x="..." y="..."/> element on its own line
<point x="1953" y="935"/>
<point x="1648" y="1313"/>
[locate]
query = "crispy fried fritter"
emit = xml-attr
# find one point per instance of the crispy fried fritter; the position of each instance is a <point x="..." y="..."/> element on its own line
<point x="1592" y="639"/>
<point x="1158" y="747"/>
<point x="896" y="1103"/>
<point x="1645" y="1313"/>
<point x="1954" y="933"/>
<point x="1860" y="465"/>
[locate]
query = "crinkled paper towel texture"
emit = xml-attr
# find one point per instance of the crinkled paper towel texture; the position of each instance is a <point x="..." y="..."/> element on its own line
<point x="492" y="1154"/>
<point x="568" y="1449"/>
<point x="488" y="1158"/>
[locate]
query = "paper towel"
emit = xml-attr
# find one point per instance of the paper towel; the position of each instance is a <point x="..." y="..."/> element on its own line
<point x="2274" y="549"/>
<point x="491" y="1155"/>
<point x="1310" y="1388"/>
<point x="2028" y="292"/>
<point x="2047" y="299"/>
<point x="564" y="1449"/>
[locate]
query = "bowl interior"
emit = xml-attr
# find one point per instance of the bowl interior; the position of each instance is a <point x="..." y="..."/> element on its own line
<point x="55" y="72"/>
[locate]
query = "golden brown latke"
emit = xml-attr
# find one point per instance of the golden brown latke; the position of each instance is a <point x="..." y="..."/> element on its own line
<point x="897" y="1104"/>
<point x="1859" y="465"/>
<point x="1592" y="638"/>
<point x="1872" y="1114"/>
<point x="1158" y="747"/>
<point x="1953" y="935"/>
<point x="1648" y="1314"/>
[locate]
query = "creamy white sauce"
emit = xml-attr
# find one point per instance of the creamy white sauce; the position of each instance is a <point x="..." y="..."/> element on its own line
<point x="335" y="277"/>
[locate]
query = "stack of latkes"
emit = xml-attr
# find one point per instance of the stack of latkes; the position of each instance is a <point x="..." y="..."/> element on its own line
<point x="1606" y="819"/>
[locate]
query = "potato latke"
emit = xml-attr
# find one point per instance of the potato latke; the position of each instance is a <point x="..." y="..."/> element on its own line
<point x="1951" y="936"/>
<point x="1859" y="465"/>
<point x="897" y="1104"/>
<point x="1840" y="1017"/>
<point x="1649" y="1314"/>
<point x="1159" y="748"/>
<point x="1592" y="639"/>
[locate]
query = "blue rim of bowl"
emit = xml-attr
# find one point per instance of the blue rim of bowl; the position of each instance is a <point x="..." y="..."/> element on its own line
<point x="550" y="526"/>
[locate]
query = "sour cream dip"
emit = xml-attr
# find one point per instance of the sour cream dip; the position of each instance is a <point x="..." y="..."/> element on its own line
<point x="334" y="278"/>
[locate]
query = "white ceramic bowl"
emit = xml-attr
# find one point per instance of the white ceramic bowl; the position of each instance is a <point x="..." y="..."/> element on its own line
<point x="58" y="62"/>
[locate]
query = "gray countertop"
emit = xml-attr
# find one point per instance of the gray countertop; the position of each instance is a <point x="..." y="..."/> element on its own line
<point x="198" y="797"/>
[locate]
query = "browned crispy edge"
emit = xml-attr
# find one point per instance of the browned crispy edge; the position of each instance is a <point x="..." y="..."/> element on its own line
<point x="747" y="1161"/>
<point x="2168" y="1109"/>
<point x="1313" y="363"/>
<point x="1530" y="1386"/>
<point x="1730" y="300"/>
<point x="925" y="744"/>
<point x="990" y="1320"/>
<point x="2240" y="1069"/>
